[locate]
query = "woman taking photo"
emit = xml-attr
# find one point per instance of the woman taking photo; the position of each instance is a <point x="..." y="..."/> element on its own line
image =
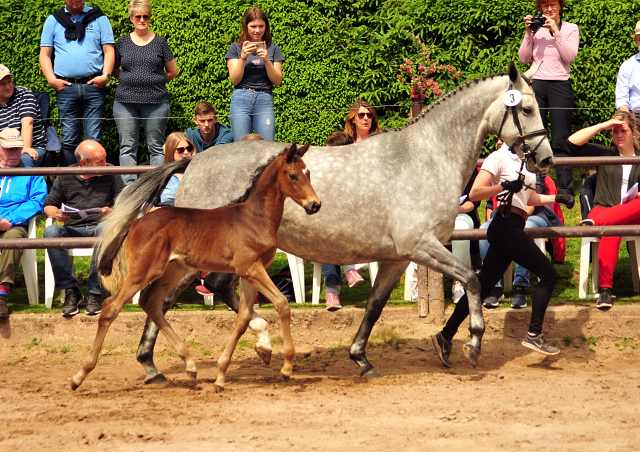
<point x="361" y="121"/>
<point x="255" y="66"/>
<point x="556" y="43"/>
<point x="612" y="184"/>
<point x="144" y="65"/>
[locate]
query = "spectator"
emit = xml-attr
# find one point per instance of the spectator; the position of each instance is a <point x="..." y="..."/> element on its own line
<point x="22" y="198"/>
<point x="556" y="43"/>
<point x="209" y="131"/>
<point x="176" y="148"/>
<point x="361" y="121"/>
<point x="628" y="83"/>
<point x="612" y="183"/>
<point x="141" y="60"/>
<point x="80" y="192"/>
<point x="255" y="65"/>
<point x="508" y="243"/>
<point x="19" y="110"/>
<point x="82" y="69"/>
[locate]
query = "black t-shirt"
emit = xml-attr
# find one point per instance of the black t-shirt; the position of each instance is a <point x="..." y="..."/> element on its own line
<point x="142" y="79"/>
<point x="255" y="74"/>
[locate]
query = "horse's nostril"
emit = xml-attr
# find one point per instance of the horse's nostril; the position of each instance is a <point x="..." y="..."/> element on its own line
<point x="545" y="162"/>
<point x="313" y="207"/>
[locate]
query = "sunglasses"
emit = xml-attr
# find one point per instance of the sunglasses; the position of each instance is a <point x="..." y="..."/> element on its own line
<point x="185" y="150"/>
<point x="140" y="17"/>
<point x="362" y="115"/>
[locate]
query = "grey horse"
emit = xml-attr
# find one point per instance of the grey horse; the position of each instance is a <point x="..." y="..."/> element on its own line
<point x="391" y="198"/>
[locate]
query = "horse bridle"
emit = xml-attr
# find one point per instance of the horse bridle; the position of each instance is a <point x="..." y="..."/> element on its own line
<point x="521" y="140"/>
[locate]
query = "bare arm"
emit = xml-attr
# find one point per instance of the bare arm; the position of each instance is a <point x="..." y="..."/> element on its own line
<point x="274" y="70"/>
<point x="481" y="188"/>
<point x="47" y="69"/>
<point x="236" y="66"/>
<point x="107" y="68"/>
<point x="536" y="199"/>
<point x="27" y="137"/>
<point x="171" y="70"/>
<point x="54" y="212"/>
<point x="582" y="137"/>
<point x="116" y="69"/>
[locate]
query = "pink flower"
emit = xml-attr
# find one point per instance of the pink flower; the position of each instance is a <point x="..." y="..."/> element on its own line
<point x="432" y="70"/>
<point x="421" y="67"/>
<point x="398" y="76"/>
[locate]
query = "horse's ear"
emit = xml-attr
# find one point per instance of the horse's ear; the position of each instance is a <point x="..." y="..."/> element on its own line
<point x="303" y="150"/>
<point x="513" y="72"/>
<point x="292" y="152"/>
<point x="532" y="70"/>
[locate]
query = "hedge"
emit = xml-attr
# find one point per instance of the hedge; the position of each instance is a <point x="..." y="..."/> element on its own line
<point x="340" y="51"/>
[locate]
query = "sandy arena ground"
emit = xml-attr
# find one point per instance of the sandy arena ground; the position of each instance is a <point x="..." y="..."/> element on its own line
<point x="585" y="399"/>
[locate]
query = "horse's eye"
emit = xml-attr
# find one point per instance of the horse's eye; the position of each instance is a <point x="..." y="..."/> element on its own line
<point x="527" y="110"/>
<point x="293" y="177"/>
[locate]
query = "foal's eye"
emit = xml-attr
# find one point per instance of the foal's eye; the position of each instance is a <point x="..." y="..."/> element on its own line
<point x="293" y="177"/>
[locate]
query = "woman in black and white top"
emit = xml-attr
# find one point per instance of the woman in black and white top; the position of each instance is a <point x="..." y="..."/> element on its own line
<point x="144" y="65"/>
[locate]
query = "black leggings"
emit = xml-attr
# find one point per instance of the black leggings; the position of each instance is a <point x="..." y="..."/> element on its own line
<point x="509" y="243"/>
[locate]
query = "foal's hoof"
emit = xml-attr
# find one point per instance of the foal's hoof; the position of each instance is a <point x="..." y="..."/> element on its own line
<point x="218" y="388"/>
<point x="371" y="374"/>
<point x="192" y="375"/>
<point x="74" y="386"/>
<point x="285" y="377"/>
<point x="471" y="354"/>
<point x="157" y="379"/>
<point x="264" y="353"/>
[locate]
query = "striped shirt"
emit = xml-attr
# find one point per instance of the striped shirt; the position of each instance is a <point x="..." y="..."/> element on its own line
<point x="22" y="104"/>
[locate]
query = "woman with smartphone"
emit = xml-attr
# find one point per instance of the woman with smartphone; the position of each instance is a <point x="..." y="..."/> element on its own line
<point x="550" y="39"/>
<point x="255" y="66"/>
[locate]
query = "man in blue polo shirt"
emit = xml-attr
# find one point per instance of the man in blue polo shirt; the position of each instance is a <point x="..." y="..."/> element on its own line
<point x="81" y="40"/>
<point x="628" y="83"/>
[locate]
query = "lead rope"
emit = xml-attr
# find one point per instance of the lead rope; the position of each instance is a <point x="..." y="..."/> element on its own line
<point x="505" y="198"/>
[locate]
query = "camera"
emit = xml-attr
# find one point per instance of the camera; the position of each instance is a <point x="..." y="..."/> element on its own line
<point x="537" y="21"/>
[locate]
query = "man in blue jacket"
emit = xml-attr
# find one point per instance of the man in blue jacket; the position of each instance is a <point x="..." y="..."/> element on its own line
<point x="21" y="197"/>
<point x="209" y="132"/>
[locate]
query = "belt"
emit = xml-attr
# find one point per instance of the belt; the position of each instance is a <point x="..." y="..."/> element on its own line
<point x="80" y="80"/>
<point x="520" y="212"/>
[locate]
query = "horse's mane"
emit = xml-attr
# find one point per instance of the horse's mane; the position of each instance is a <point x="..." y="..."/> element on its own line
<point x="256" y="177"/>
<point x="441" y="100"/>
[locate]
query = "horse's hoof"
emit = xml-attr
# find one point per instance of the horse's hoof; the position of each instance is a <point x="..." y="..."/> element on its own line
<point x="218" y="388"/>
<point x="74" y="386"/>
<point x="158" y="379"/>
<point x="371" y="374"/>
<point x="285" y="377"/>
<point x="192" y="375"/>
<point x="264" y="353"/>
<point x="471" y="354"/>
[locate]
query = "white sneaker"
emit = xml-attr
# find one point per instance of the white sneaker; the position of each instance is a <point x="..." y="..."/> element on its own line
<point x="457" y="291"/>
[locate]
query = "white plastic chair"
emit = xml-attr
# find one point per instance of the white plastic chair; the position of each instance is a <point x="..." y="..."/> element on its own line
<point x="593" y="244"/>
<point x="30" y="266"/>
<point x="49" y="280"/>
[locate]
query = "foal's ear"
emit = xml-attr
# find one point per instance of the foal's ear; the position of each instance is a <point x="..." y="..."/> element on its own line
<point x="303" y="150"/>
<point x="513" y="72"/>
<point x="292" y="152"/>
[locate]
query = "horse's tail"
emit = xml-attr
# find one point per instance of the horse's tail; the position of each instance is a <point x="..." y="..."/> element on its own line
<point x="132" y="203"/>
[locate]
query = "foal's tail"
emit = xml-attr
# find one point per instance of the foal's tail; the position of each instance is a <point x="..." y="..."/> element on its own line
<point x="131" y="204"/>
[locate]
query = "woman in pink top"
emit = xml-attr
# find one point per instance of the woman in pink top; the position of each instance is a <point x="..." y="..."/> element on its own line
<point x="555" y="45"/>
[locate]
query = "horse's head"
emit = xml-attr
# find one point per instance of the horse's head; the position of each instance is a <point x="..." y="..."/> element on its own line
<point x="295" y="179"/>
<point x="518" y="123"/>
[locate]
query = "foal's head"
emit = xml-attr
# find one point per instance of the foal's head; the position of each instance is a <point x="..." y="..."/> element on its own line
<point x="295" y="179"/>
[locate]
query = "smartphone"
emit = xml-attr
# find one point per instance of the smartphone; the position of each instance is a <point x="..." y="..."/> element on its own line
<point x="259" y="45"/>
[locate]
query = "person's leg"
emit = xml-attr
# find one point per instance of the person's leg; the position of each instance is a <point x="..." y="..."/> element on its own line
<point x="27" y="160"/>
<point x="607" y="260"/>
<point x="93" y="281"/>
<point x="155" y="117"/>
<point x="264" y="122"/>
<point x="540" y="89"/>
<point x="332" y="276"/>
<point x="628" y="213"/>
<point x="93" y="112"/>
<point x="521" y="278"/>
<point x="63" y="272"/>
<point x="126" y="118"/>
<point x="561" y="103"/>
<point x="240" y="112"/>
<point x="11" y="257"/>
<point x="69" y="109"/>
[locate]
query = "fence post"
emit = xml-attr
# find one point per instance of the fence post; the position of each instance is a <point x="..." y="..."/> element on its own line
<point x="430" y="295"/>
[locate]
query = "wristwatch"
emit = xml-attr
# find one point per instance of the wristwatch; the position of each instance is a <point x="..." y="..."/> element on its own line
<point x="108" y="75"/>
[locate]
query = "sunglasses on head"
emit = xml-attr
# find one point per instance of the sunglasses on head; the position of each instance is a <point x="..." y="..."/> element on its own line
<point x="184" y="150"/>
<point x="362" y="115"/>
<point x="141" y="16"/>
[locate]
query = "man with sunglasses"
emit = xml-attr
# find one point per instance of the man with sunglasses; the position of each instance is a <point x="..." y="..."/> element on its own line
<point x="93" y="195"/>
<point x="80" y="41"/>
<point x="209" y="131"/>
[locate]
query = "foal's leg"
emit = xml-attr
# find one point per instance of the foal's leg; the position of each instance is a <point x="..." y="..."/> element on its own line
<point x="242" y="321"/>
<point x="110" y="309"/>
<point x="151" y="303"/>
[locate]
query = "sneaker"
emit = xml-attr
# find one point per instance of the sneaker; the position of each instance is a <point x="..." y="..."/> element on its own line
<point x="94" y="304"/>
<point x="519" y="298"/>
<point x="539" y="344"/>
<point x="333" y="302"/>
<point x="202" y="290"/>
<point x="495" y="297"/>
<point x="443" y="347"/>
<point x="457" y="291"/>
<point x="587" y="222"/>
<point x="353" y="278"/>
<point x="4" y="310"/>
<point x="604" y="299"/>
<point x="72" y="298"/>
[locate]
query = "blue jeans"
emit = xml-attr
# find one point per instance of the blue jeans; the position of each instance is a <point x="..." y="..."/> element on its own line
<point x="76" y="102"/>
<point x="154" y="121"/>
<point x="252" y="111"/>
<point x="332" y="275"/>
<point x="28" y="160"/>
<point x="63" y="272"/>
<point x="521" y="278"/>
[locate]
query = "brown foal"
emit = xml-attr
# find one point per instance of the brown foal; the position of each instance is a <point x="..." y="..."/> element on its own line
<point x="162" y="245"/>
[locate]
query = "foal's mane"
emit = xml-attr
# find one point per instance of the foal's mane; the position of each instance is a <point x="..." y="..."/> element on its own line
<point x="256" y="177"/>
<point x="441" y="100"/>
